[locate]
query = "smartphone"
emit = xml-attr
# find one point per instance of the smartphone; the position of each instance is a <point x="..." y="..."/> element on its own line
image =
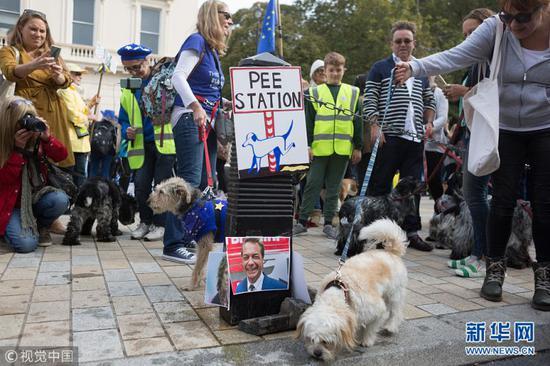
<point x="440" y="82"/>
<point x="55" y="52"/>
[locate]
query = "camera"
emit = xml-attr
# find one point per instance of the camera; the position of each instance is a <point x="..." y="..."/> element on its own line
<point x="31" y="123"/>
<point x="130" y="83"/>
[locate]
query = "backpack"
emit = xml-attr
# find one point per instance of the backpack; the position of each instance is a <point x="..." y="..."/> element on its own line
<point x="103" y="138"/>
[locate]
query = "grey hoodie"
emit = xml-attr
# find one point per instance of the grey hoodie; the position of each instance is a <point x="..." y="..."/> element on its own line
<point x="524" y="94"/>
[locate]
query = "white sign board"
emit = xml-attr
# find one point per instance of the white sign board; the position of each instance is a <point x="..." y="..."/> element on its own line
<point x="270" y="128"/>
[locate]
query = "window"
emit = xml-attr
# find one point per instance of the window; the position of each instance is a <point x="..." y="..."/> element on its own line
<point x="83" y="22"/>
<point x="9" y="13"/>
<point x="150" y="28"/>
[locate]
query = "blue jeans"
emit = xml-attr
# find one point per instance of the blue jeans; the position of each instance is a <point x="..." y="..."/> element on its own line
<point x="81" y="160"/>
<point x="475" y="194"/>
<point x="46" y="210"/>
<point x="100" y="166"/>
<point x="156" y="167"/>
<point x="191" y="167"/>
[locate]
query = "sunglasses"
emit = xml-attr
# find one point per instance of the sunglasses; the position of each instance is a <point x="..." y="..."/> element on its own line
<point x="521" y="18"/>
<point x="30" y="12"/>
<point x="225" y="14"/>
<point x="405" y="41"/>
<point x="133" y="68"/>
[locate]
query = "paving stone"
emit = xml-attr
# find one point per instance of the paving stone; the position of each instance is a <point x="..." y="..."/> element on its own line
<point x="93" y="319"/>
<point x="9" y="342"/>
<point x="5" y="257"/>
<point x="171" y="312"/>
<point x="97" y="345"/>
<point x="84" y="250"/>
<point x="48" y="311"/>
<point x="147" y="267"/>
<point x="3" y="266"/>
<point x="85" y="260"/>
<point x="426" y="279"/>
<point x="152" y="279"/>
<point x="115" y="264"/>
<point x="488" y="304"/>
<point x="89" y="283"/>
<point x="131" y="305"/>
<point x="89" y="299"/>
<point x="413" y="312"/>
<point x="163" y="293"/>
<point x="513" y="298"/>
<point x="61" y="266"/>
<point x="190" y="335"/>
<point x="456" y="302"/>
<point x="422" y="288"/>
<point x="56" y="256"/>
<point x="19" y="273"/>
<point x="139" y="326"/>
<point x="117" y="275"/>
<point x="21" y="262"/>
<point x="16" y="304"/>
<point x="458" y="291"/>
<point x="281" y="335"/>
<point x="513" y="289"/>
<point x="437" y="309"/>
<point x="234" y="336"/>
<point x="52" y="334"/>
<point x="178" y="270"/>
<point x="93" y="270"/>
<point x="211" y="317"/>
<point x="53" y="278"/>
<point x="147" y="346"/>
<point x="16" y="287"/>
<point x="127" y="288"/>
<point x="196" y="299"/>
<point x="414" y="299"/>
<point x="466" y="283"/>
<point x="11" y="325"/>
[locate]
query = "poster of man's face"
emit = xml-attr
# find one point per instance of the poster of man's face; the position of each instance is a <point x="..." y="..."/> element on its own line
<point x="258" y="263"/>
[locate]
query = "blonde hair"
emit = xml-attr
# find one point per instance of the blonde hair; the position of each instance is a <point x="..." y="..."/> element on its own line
<point x="12" y="110"/>
<point x="208" y="25"/>
<point x="16" y="38"/>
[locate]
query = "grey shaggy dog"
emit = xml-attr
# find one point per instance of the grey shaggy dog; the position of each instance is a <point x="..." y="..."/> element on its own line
<point x="396" y="205"/>
<point x="452" y="228"/>
<point x="99" y="199"/>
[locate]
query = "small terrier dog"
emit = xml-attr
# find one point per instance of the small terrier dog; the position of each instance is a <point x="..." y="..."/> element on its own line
<point x="99" y="199"/>
<point x="366" y="297"/>
<point x="177" y="196"/>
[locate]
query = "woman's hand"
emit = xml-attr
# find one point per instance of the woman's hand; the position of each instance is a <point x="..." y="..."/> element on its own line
<point x="455" y="91"/>
<point x="42" y="62"/>
<point x="310" y="154"/>
<point x="22" y="136"/>
<point x="45" y="135"/>
<point x="374" y="134"/>
<point x="57" y="74"/>
<point x="199" y="115"/>
<point x="95" y="100"/>
<point x="356" y="156"/>
<point x="130" y="133"/>
<point x="402" y="73"/>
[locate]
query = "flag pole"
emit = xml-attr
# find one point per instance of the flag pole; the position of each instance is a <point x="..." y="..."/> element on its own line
<point x="280" y="30"/>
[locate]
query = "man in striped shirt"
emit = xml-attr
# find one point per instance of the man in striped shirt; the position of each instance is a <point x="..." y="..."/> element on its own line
<point x="410" y="114"/>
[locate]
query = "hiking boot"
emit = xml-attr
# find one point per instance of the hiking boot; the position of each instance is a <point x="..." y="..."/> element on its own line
<point x="416" y="242"/>
<point x="298" y="229"/>
<point x="494" y="278"/>
<point x="44" y="237"/>
<point x="541" y="298"/>
<point x="155" y="233"/>
<point x="330" y="231"/>
<point x="180" y="255"/>
<point x="141" y="231"/>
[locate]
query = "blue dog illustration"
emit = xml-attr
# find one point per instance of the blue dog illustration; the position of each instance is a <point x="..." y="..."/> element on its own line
<point x="260" y="148"/>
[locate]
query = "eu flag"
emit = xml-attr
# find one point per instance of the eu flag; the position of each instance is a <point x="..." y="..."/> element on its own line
<point x="266" y="43"/>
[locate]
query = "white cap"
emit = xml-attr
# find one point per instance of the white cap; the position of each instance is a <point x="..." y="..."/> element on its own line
<point x="314" y="66"/>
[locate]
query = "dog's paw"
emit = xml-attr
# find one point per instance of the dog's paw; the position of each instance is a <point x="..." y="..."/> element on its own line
<point x="117" y="233"/>
<point x="71" y="242"/>
<point x="107" y="239"/>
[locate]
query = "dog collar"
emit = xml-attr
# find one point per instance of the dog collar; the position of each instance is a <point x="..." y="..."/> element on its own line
<point x="341" y="285"/>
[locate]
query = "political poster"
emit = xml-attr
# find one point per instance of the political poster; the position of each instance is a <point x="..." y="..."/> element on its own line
<point x="270" y="128"/>
<point x="216" y="291"/>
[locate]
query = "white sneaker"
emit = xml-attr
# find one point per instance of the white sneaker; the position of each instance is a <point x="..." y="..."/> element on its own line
<point x="141" y="231"/>
<point x="155" y="233"/>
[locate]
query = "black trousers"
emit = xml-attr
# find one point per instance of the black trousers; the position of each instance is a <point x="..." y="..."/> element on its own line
<point x="402" y="155"/>
<point x="434" y="185"/>
<point x="516" y="149"/>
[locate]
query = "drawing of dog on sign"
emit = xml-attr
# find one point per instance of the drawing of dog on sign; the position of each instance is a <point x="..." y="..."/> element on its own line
<point x="262" y="147"/>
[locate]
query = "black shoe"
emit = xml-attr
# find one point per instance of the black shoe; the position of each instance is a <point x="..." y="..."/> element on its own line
<point x="417" y="243"/>
<point x="541" y="298"/>
<point x="494" y="278"/>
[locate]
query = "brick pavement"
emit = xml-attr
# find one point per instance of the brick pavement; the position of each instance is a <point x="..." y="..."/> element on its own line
<point x="119" y="300"/>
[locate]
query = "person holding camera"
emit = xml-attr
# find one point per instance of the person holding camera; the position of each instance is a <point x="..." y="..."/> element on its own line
<point x="28" y="206"/>
<point x="150" y="152"/>
<point x="34" y="65"/>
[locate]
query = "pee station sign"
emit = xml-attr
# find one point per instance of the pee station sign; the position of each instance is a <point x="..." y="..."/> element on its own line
<point x="270" y="129"/>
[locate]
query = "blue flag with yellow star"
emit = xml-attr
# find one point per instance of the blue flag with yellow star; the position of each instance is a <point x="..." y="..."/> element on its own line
<point x="266" y="43"/>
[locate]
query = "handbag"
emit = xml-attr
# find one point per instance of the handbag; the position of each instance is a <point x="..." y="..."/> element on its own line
<point x="481" y="110"/>
<point x="7" y="88"/>
<point x="61" y="179"/>
<point x="224" y="127"/>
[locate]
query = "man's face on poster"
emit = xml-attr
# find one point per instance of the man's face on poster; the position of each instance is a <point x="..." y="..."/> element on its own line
<point x="253" y="261"/>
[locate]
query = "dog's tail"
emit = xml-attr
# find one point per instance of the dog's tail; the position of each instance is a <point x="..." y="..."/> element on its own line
<point x="289" y="130"/>
<point x="387" y="233"/>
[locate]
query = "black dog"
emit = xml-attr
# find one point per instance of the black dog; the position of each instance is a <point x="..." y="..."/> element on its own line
<point x="396" y="205"/>
<point x="100" y="199"/>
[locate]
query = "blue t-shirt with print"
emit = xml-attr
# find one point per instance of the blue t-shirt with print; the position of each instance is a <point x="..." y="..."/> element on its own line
<point x="207" y="79"/>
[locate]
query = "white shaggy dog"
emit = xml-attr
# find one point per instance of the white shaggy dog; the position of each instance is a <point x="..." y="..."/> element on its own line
<point x="368" y="297"/>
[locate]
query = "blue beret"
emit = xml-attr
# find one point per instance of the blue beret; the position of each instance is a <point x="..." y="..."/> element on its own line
<point x="109" y="115"/>
<point x="133" y="51"/>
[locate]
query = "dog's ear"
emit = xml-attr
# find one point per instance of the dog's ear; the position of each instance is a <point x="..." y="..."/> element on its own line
<point x="348" y="332"/>
<point x="299" y="330"/>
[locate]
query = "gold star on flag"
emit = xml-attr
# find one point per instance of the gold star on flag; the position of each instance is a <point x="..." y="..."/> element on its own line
<point x="219" y="206"/>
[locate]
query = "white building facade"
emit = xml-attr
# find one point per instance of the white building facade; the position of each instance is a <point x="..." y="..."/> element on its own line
<point x="79" y="26"/>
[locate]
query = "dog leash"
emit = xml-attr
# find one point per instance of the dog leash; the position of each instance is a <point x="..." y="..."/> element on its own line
<point x="368" y="174"/>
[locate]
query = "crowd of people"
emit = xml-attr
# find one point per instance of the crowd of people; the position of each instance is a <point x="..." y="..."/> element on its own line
<point x="397" y="103"/>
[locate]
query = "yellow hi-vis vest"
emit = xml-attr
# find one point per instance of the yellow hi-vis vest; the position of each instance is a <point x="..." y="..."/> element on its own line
<point x="333" y="131"/>
<point x="136" y="152"/>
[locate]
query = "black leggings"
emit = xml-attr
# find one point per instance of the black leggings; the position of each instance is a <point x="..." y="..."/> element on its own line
<point x="516" y="149"/>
